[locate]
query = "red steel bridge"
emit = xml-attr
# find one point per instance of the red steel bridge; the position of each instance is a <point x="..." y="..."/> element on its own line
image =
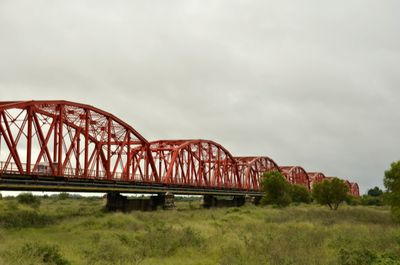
<point x="67" y="146"/>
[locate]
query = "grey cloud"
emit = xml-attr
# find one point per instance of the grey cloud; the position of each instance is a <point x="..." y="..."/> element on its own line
<point x="312" y="83"/>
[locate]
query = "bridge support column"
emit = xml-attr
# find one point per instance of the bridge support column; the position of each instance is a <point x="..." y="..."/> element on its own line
<point x="210" y="201"/>
<point x="253" y="199"/>
<point x="117" y="202"/>
<point x="164" y="200"/>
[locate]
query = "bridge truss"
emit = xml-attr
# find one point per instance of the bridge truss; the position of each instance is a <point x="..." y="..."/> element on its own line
<point x="77" y="145"/>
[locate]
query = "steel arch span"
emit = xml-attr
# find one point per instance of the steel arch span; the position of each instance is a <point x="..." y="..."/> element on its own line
<point x="200" y="163"/>
<point x="75" y="146"/>
<point x="296" y="175"/>
<point x="251" y="169"/>
<point x="354" y="190"/>
<point x="62" y="138"/>
<point x="315" y="177"/>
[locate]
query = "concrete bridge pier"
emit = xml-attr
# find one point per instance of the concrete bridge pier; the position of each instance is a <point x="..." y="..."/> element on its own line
<point x="210" y="201"/>
<point x="117" y="202"/>
<point x="164" y="200"/>
<point x="253" y="199"/>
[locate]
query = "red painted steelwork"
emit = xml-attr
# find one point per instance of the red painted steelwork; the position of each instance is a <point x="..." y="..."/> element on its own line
<point x="296" y="175"/>
<point x="355" y="190"/>
<point x="196" y="163"/>
<point x="315" y="177"/>
<point x="252" y="168"/>
<point x="72" y="140"/>
<point x="62" y="138"/>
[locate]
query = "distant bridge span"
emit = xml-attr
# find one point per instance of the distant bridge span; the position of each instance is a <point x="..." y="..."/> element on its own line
<point x="68" y="146"/>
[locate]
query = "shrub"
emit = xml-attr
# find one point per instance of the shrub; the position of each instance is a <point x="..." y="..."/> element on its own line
<point x="331" y="192"/>
<point x="29" y="199"/>
<point x="35" y="253"/>
<point x="63" y="196"/>
<point x="276" y="188"/>
<point x="300" y="193"/>
<point x="365" y="256"/>
<point x="352" y="200"/>
<point x="356" y="257"/>
<point x="371" y="200"/>
<point x="24" y="218"/>
<point x="375" y="192"/>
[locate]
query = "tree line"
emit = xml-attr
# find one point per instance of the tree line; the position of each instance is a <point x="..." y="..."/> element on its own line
<point x="331" y="192"/>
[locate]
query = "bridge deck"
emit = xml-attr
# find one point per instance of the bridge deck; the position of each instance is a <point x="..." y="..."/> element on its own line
<point x="48" y="183"/>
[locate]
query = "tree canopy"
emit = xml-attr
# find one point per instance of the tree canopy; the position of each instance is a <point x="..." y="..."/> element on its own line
<point x="300" y="194"/>
<point x="375" y="192"/>
<point x="276" y="188"/>
<point x="331" y="192"/>
<point x="392" y="183"/>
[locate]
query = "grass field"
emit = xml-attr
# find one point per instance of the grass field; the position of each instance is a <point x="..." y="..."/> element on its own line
<point x="78" y="231"/>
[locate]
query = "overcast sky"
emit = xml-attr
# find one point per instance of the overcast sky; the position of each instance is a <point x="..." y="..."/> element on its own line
<point x="311" y="83"/>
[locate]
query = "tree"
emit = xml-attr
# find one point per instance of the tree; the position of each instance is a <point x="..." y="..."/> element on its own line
<point x="300" y="194"/>
<point x="276" y="188"/>
<point x="392" y="183"/>
<point x="331" y="192"/>
<point x="375" y="192"/>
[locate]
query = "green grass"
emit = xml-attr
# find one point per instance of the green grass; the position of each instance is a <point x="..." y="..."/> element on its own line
<point x="78" y="231"/>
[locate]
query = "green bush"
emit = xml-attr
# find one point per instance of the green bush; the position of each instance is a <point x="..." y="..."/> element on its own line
<point x="375" y="192"/>
<point x="35" y="253"/>
<point x="300" y="193"/>
<point x="276" y="188"/>
<point x="63" y="196"/>
<point x="365" y="256"/>
<point x="24" y="218"/>
<point x="352" y="200"/>
<point x="392" y="183"/>
<point x="331" y="192"/>
<point x="371" y="200"/>
<point x="29" y="199"/>
<point x="356" y="257"/>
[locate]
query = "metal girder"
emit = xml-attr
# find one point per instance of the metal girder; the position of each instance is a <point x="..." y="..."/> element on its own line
<point x="251" y="169"/>
<point x="201" y="163"/>
<point x="296" y="175"/>
<point x="69" y="140"/>
<point x="355" y="190"/>
<point x="315" y="177"/>
<point x="62" y="138"/>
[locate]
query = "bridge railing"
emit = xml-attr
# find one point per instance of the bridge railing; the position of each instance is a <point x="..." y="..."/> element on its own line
<point x="45" y="170"/>
<point x="11" y="168"/>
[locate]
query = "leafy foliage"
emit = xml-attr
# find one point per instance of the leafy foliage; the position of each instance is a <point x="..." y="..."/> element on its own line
<point x="375" y="192"/>
<point x="331" y="192"/>
<point x="24" y="219"/>
<point x="300" y="193"/>
<point x="392" y="183"/>
<point x="38" y="254"/>
<point x="29" y="199"/>
<point x="63" y="196"/>
<point x="372" y="200"/>
<point x="276" y="188"/>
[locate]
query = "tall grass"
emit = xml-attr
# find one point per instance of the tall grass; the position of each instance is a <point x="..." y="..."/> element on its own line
<point x="77" y="231"/>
